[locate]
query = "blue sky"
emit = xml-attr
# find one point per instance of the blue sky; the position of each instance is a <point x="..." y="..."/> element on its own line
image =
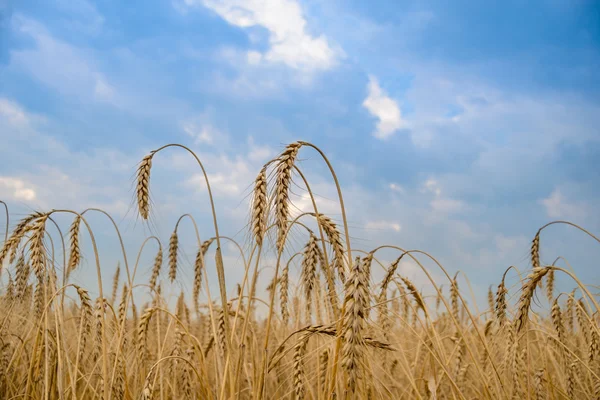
<point x="458" y="130"/>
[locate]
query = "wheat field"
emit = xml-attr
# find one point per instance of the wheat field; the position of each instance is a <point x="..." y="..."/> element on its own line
<point x="337" y="331"/>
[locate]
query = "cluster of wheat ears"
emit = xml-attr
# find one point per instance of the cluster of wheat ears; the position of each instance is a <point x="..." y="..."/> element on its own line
<point x="343" y="335"/>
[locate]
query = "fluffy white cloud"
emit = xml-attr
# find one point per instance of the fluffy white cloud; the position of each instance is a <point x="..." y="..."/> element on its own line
<point x="17" y="189"/>
<point x="13" y="113"/>
<point x="289" y="41"/>
<point x="440" y="203"/>
<point x="394" y="187"/>
<point x="384" y="108"/>
<point x="558" y="206"/>
<point x="102" y="90"/>
<point x="201" y="134"/>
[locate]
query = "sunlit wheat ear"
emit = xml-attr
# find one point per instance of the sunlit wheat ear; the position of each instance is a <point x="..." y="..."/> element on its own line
<point x="12" y="244"/>
<point x="454" y="296"/>
<point x="353" y="323"/>
<point x="384" y="318"/>
<point x="582" y="319"/>
<point x="366" y="268"/>
<point x="405" y="303"/>
<point x="22" y="276"/>
<point x="323" y="364"/>
<point x="123" y="305"/>
<point x="75" y="254"/>
<point x="283" y="295"/>
<point x="86" y="317"/>
<point x="158" y="260"/>
<point x="460" y="353"/>
<point x="180" y="306"/>
<point x="221" y="330"/>
<point x="535" y="251"/>
<point x="389" y="275"/>
<point x="285" y="164"/>
<point x="527" y="292"/>
<point x="333" y="234"/>
<point x="38" y="299"/>
<point x="538" y="384"/>
<point x="309" y="271"/>
<point x="197" y="277"/>
<point x="186" y="314"/>
<point x="142" y="334"/>
<point x="5" y="355"/>
<point x="98" y="319"/>
<point x="570" y="311"/>
<point x="518" y="372"/>
<point x="550" y="285"/>
<point x="414" y="293"/>
<point x="198" y="268"/>
<point x="571" y="380"/>
<point x="594" y="344"/>
<point x="259" y="207"/>
<point x="143" y="186"/>
<point x="118" y="388"/>
<point x="173" y="246"/>
<point x="148" y="390"/>
<point x="186" y="382"/>
<point x="501" y="303"/>
<point x="10" y="289"/>
<point x="490" y="299"/>
<point x="36" y="245"/>
<point x="299" y="375"/>
<point x="115" y="286"/>
<point x="557" y="320"/>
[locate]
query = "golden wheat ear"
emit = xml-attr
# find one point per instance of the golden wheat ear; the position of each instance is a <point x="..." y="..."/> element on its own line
<point x="143" y="186"/>
<point x="259" y="207"/>
<point x="173" y="247"/>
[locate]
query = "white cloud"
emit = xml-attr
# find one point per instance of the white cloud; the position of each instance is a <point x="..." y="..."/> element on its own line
<point x="383" y="225"/>
<point x="394" y="187"/>
<point x="431" y="185"/>
<point x="13" y="113"/>
<point x="16" y="188"/>
<point x="558" y="206"/>
<point x="202" y="134"/>
<point x="259" y="153"/>
<point x="441" y="204"/>
<point x="384" y="108"/>
<point x="507" y="244"/>
<point x="102" y="90"/>
<point x="289" y="41"/>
